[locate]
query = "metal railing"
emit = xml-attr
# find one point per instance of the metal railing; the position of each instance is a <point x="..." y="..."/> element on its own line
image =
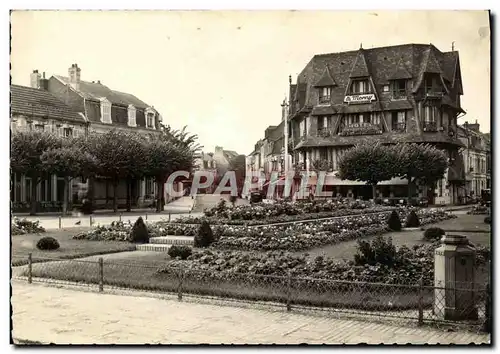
<point x="464" y="304"/>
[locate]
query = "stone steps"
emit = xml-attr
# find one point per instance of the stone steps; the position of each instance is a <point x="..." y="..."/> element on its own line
<point x="172" y="240"/>
<point x="153" y="247"/>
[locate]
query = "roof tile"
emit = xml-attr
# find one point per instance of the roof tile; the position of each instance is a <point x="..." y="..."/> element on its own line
<point x="37" y="102"/>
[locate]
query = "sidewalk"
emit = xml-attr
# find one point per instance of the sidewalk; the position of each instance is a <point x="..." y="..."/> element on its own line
<point x="52" y="222"/>
<point x="64" y="316"/>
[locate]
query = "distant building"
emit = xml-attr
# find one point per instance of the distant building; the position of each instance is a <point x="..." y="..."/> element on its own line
<point x="475" y="155"/>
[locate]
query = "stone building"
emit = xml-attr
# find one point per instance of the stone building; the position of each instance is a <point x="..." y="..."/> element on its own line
<point x="99" y="109"/>
<point x="404" y="93"/>
<point x="475" y="155"/>
<point x="32" y="108"/>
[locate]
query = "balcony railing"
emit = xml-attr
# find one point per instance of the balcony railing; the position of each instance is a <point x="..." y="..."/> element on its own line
<point x="324" y="99"/>
<point x="399" y="127"/>
<point x="433" y="92"/>
<point x="430" y="127"/>
<point x="324" y="132"/>
<point x="360" y="129"/>
<point x="399" y="95"/>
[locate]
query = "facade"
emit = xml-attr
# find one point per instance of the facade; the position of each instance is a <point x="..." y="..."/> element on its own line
<point x="217" y="163"/>
<point x="38" y="109"/>
<point x="405" y="93"/>
<point x="99" y="110"/>
<point x="475" y="155"/>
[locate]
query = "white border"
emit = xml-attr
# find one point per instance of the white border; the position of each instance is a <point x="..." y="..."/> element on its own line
<point x="186" y="4"/>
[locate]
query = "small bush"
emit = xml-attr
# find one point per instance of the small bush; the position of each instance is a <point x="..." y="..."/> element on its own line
<point x="233" y="199"/>
<point x="412" y="220"/>
<point x="380" y="251"/>
<point x="433" y="233"/>
<point x="183" y="252"/>
<point x="47" y="244"/>
<point x="394" y="223"/>
<point x="24" y="226"/>
<point x="487" y="220"/>
<point x="139" y="233"/>
<point x="205" y="236"/>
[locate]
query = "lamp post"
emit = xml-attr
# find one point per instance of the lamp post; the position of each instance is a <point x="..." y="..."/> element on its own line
<point x="284" y="111"/>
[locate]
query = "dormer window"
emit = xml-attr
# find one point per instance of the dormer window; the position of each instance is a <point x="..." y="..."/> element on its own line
<point x="131" y="116"/>
<point x="399" y="89"/>
<point x="360" y="86"/>
<point x="105" y="111"/>
<point x="433" y="85"/>
<point x="150" y="118"/>
<point x="325" y="94"/>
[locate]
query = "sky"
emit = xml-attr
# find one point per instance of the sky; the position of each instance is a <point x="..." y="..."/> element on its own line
<point x="224" y="74"/>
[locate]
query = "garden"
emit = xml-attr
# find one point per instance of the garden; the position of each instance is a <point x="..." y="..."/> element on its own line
<point x="259" y="262"/>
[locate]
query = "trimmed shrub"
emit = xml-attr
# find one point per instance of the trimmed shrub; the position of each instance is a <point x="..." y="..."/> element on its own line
<point x="412" y="220"/>
<point x="393" y="222"/>
<point x="47" y="244"/>
<point x="434" y="233"/>
<point x="487" y="220"/>
<point x="183" y="252"/>
<point x="139" y="232"/>
<point x="205" y="236"/>
<point x="380" y="250"/>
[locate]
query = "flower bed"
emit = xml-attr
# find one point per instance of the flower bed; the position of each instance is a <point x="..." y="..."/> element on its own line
<point x="416" y="262"/>
<point x="121" y="231"/>
<point x="296" y="237"/>
<point x="24" y="226"/>
<point x="263" y="219"/>
<point x="263" y="211"/>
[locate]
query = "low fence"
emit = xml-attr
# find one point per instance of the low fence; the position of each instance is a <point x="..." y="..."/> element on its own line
<point x="466" y="304"/>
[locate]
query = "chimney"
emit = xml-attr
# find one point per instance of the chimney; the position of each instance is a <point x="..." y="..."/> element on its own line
<point x="74" y="76"/>
<point x="474" y="127"/>
<point x="35" y="79"/>
<point x="219" y="149"/>
<point x="44" y="83"/>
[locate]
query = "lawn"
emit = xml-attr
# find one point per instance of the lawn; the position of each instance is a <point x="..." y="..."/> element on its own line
<point x="472" y="225"/>
<point x="22" y="245"/>
<point x="138" y="270"/>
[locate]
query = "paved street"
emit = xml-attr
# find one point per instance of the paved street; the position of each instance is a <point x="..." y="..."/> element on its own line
<point x="61" y="315"/>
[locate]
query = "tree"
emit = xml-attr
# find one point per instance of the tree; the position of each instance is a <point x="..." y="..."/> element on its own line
<point x="119" y="155"/>
<point x="368" y="163"/>
<point x="169" y="152"/>
<point x="419" y="163"/>
<point x="68" y="161"/>
<point x="27" y="148"/>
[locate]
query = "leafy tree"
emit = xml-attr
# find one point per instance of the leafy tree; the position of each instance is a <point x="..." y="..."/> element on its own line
<point x="172" y="151"/>
<point x="27" y="148"/>
<point x="421" y="163"/>
<point x="119" y="155"/>
<point x="68" y="161"/>
<point x="368" y="163"/>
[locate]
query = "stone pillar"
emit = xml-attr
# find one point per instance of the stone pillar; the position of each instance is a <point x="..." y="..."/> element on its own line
<point x="454" y="279"/>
